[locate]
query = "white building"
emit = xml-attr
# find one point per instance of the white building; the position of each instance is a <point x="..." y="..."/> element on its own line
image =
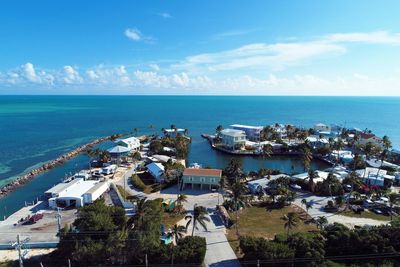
<point x="76" y="193"/>
<point x="252" y="132"/>
<point x="132" y="143"/>
<point x="317" y="142"/>
<point x="320" y="127"/>
<point x="174" y="132"/>
<point x="156" y="170"/>
<point x="234" y="139"/>
<point x="320" y="176"/>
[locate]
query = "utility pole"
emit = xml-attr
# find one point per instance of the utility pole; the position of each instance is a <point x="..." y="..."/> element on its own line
<point x="58" y="217"/>
<point x="19" y="246"/>
<point x="145" y="259"/>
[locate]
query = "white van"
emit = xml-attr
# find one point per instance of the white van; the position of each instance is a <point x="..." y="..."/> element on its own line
<point x="109" y="169"/>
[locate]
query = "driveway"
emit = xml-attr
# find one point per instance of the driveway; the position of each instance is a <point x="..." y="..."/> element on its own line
<point x="219" y="253"/>
<point x="317" y="210"/>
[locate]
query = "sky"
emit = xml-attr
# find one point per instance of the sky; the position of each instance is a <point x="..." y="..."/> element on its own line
<point x="180" y="47"/>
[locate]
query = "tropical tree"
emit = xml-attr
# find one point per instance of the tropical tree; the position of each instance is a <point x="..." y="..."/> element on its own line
<point x="177" y="232"/>
<point x="308" y="206"/>
<point x="181" y="199"/>
<point x="199" y="217"/>
<point x="266" y="151"/>
<point x="393" y="200"/>
<point x="219" y="129"/>
<point x="321" y="221"/>
<point x="354" y="179"/>
<point x="238" y="190"/>
<point x="291" y="220"/>
<point x="338" y="145"/>
<point x="135" y="130"/>
<point x="311" y="175"/>
<point x="303" y="202"/>
<point x="306" y="157"/>
<point x="142" y="210"/>
<point x="152" y="127"/>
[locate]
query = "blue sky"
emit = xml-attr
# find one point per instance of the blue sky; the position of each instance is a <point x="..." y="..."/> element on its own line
<point x="200" y="47"/>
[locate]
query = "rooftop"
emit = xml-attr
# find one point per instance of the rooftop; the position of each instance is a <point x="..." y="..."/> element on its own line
<point x="202" y="172"/>
<point x="247" y="126"/>
<point x="233" y="132"/>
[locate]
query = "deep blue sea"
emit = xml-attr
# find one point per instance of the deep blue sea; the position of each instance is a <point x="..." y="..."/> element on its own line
<point x="34" y="129"/>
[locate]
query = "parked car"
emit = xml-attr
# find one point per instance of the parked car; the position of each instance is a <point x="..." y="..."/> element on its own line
<point x="377" y="211"/>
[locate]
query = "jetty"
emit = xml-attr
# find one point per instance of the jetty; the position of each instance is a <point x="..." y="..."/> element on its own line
<point x="25" y="178"/>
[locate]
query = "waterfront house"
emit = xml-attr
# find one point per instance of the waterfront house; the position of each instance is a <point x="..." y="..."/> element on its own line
<point x="156" y="170"/>
<point x="366" y="138"/>
<point x="76" y="193"/>
<point x="118" y="151"/>
<point x="320" y="127"/>
<point x="174" y="132"/>
<point x="132" y="143"/>
<point x="316" y="142"/>
<point x="233" y="139"/>
<point x="252" y="132"/>
<point x="203" y="178"/>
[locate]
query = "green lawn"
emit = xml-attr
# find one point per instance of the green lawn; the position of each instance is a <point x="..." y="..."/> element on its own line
<point x="169" y="219"/>
<point x="365" y="214"/>
<point x="260" y="222"/>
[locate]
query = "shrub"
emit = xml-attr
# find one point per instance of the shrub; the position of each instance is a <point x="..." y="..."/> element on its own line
<point x="191" y="249"/>
<point x="137" y="182"/>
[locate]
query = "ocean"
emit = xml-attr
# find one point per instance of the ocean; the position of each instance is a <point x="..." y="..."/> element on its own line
<point x="34" y="129"/>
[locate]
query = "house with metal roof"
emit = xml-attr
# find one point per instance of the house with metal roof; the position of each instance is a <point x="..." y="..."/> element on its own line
<point x="156" y="170"/>
<point x="201" y="178"/>
<point x="132" y="143"/>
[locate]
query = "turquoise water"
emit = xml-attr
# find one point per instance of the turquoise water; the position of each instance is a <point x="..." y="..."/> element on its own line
<point x="34" y="129"/>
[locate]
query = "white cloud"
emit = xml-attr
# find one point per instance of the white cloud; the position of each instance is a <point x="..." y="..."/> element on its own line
<point x="165" y="15"/>
<point x="71" y="75"/>
<point x="274" y="56"/>
<point x="378" y="37"/>
<point x="30" y="73"/>
<point x="133" y="34"/>
<point x="137" y="36"/>
<point x="102" y="75"/>
<point x="154" y="67"/>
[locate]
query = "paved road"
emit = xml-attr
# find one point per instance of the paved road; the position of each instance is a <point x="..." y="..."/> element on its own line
<point x="219" y="253"/>
<point x="317" y="210"/>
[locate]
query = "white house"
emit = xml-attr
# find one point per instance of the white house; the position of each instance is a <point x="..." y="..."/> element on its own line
<point x="252" y="132"/>
<point x="320" y="127"/>
<point x="234" y="139"/>
<point x="317" y="142"/>
<point x="156" y="170"/>
<point x="132" y="143"/>
<point x="76" y="193"/>
<point x="174" y="132"/>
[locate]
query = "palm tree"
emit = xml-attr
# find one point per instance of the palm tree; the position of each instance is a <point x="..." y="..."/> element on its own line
<point x="306" y="158"/>
<point x="321" y="222"/>
<point x="311" y="176"/>
<point x="177" y="232"/>
<point x="135" y="130"/>
<point x="308" y="206"/>
<point x="393" y="199"/>
<point x="142" y="209"/>
<point x="338" y="145"/>
<point x="199" y="217"/>
<point x="152" y="127"/>
<point x="304" y="202"/>
<point x="238" y="190"/>
<point x="291" y="221"/>
<point x="354" y="179"/>
<point x="181" y="198"/>
<point x="91" y="153"/>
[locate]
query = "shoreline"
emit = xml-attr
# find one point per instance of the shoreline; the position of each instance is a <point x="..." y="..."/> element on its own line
<point x="26" y="178"/>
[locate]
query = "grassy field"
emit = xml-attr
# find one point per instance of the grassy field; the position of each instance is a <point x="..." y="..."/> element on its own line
<point x="169" y="219"/>
<point x="365" y="214"/>
<point x="260" y="222"/>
